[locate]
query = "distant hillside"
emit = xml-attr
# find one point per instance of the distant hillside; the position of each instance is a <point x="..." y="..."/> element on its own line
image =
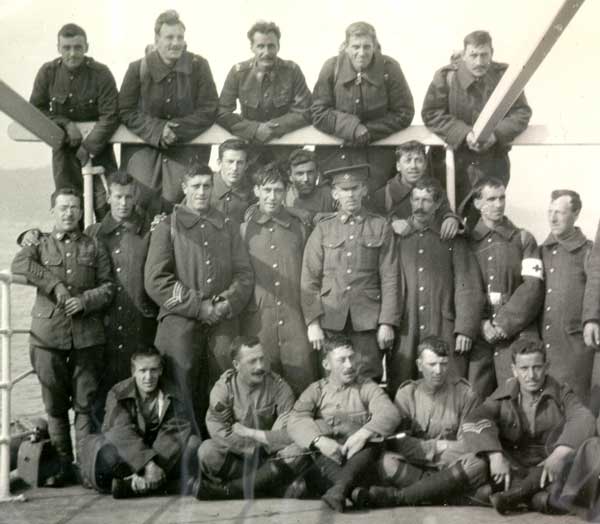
<point x="25" y="194"/>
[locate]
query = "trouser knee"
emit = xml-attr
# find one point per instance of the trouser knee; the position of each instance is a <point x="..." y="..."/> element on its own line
<point x="395" y="470"/>
<point x="476" y="469"/>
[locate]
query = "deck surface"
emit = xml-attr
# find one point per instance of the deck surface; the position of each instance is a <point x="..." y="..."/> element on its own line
<point x="77" y="505"/>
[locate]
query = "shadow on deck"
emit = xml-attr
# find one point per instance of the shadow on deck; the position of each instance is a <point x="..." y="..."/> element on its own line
<point x="77" y="505"/>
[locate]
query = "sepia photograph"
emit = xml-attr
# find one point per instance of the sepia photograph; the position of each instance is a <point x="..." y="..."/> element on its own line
<point x="316" y="262"/>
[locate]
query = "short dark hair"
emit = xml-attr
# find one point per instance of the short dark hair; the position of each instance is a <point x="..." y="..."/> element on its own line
<point x="491" y="182"/>
<point x="239" y="342"/>
<point x="302" y="156"/>
<point x="196" y="168"/>
<point x="67" y="190"/>
<point x="262" y="26"/>
<point x="71" y="30"/>
<point x="121" y="178"/>
<point x="430" y="184"/>
<point x="412" y="146"/>
<point x="146" y="352"/>
<point x="233" y="144"/>
<point x="434" y="343"/>
<point x="169" y="17"/>
<point x="335" y="341"/>
<point x="478" y="38"/>
<point x="271" y="173"/>
<point x="526" y="345"/>
<point x="574" y="195"/>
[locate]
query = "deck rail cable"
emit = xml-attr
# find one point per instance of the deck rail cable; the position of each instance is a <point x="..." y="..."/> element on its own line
<point x="7" y="383"/>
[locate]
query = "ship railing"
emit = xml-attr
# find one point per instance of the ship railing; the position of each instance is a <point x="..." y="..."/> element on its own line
<point x="7" y="383"/>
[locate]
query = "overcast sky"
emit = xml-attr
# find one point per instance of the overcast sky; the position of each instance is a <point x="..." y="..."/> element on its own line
<point x="420" y="34"/>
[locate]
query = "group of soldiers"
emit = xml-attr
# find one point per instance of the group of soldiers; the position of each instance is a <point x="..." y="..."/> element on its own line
<point x="204" y="304"/>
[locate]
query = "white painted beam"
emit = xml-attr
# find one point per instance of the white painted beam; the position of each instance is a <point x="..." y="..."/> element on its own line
<point x="518" y="73"/>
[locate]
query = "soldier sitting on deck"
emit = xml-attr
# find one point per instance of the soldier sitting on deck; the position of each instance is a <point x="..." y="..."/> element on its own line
<point x="246" y="419"/>
<point x="433" y="463"/>
<point x="337" y="417"/>
<point x="146" y="445"/>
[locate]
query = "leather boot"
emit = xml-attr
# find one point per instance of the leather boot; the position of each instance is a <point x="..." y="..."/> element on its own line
<point x="521" y="493"/>
<point x="268" y="481"/>
<point x="429" y="490"/>
<point x="59" y="431"/>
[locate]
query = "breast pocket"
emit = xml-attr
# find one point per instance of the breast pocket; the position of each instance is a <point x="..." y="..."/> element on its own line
<point x="368" y="255"/>
<point x="264" y="417"/>
<point x="332" y="254"/>
<point x="86" y="270"/>
<point x="57" y="104"/>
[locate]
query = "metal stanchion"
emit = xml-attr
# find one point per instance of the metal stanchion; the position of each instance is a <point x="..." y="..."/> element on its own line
<point x="451" y="178"/>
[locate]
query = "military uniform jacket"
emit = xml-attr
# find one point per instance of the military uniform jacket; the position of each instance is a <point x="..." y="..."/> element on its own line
<point x="499" y="424"/>
<point x="591" y="300"/>
<point x="339" y="411"/>
<point x="280" y="96"/>
<point x="83" y="266"/>
<point x="455" y="99"/>
<point x="125" y="427"/>
<point x="378" y="97"/>
<point x="393" y="201"/>
<point x="233" y="203"/>
<point x="350" y="267"/>
<point x="265" y="407"/>
<point x="127" y="243"/>
<point x="428" y="416"/>
<point x="511" y="266"/>
<point x="196" y="257"/>
<point x="155" y="93"/>
<point x="319" y="201"/>
<point x="566" y="265"/>
<point x="88" y="93"/>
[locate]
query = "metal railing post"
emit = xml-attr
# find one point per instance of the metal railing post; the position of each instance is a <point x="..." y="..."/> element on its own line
<point x="88" y="172"/>
<point x="5" y="391"/>
<point x="451" y="178"/>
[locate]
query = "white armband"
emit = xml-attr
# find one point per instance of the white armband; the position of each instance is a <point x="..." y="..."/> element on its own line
<point x="532" y="267"/>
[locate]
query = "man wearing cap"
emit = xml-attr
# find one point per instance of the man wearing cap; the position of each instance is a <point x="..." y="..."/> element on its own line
<point x="454" y="100"/>
<point x="273" y="96"/>
<point x="350" y="281"/>
<point x="304" y="192"/>
<point x="443" y="291"/>
<point x="393" y="199"/>
<point x="167" y="98"/>
<point x="76" y="88"/>
<point x="512" y="272"/>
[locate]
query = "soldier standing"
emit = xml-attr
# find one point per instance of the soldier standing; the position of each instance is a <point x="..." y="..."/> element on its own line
<point x="275" y="241"/>
<point x="76" y="88"/>
<point x="350" y="281"/>
<point x="566" y="256"/>
<point x="73" y="277"/>
<point x="513" y="278"/>
<point x="443" y="291"/>
<point x="454" y="100"/>
<point x="167" y="98"/>
<point x="199" y="274"/>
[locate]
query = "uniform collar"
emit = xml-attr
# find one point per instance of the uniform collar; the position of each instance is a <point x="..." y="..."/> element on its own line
<point x="373" y="74"/>
<point x="282" y="218"/>
<point x="109" y="224"/>
<point x="189" y="219"/>
<point x="466" y="78"/>
<point x="344" y="217"/>
<point x="398" y="189"/>
<point x="510" y="389"/>
<point x="272" y="73"/>
<point x="86" y="62"/>
<point x="61" y="235"/>
<point x="159" y="70"/>
<point x="221" y="189"/>
<point x="505" y="229"/>
<point x="434" y="226"/>
<point x="573" y="242"/>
